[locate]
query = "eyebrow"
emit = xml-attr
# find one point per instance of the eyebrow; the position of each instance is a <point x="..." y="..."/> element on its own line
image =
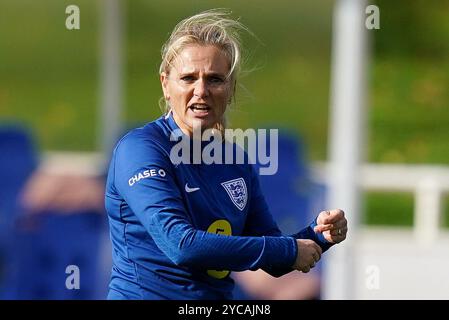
<point x="212" y="74"/>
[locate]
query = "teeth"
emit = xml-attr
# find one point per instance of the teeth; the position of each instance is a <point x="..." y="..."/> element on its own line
<point x="199" y="107"/>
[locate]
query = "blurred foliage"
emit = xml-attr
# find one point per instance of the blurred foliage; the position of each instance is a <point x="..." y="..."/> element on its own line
<point x="392" y="208"/>
<point x="395" y="209"/>
<point x="413" y="29"/>
<point x="49" y="75"/>
<point x="409" y="114"/>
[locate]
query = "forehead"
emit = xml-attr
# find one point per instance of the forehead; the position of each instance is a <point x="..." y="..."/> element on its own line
<point x="198" y="58"/>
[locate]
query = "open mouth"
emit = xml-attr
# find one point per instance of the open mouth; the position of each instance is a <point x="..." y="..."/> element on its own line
<point x="199" y="108"/>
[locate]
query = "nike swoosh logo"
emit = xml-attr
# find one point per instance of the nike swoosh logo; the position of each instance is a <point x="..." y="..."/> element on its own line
<point x="191" y="189"/>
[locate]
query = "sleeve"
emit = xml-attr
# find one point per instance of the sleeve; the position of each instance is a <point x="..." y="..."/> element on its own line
<point x="145" y="178"/>
<point x="309" y="233"/>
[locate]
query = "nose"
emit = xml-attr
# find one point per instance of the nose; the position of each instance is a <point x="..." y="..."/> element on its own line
<point x="200" y="90"/>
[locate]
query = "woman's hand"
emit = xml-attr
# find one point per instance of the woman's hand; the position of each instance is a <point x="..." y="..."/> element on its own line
<point x="309" y="253"/>
<point x="333" y="225"/>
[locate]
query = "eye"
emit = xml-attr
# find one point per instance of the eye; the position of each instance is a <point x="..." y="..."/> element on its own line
<point x="188" y="79"/>
<point x="216" y="80"/>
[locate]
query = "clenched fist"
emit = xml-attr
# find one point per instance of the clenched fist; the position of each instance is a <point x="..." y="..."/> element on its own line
<point x="333" y="225"/>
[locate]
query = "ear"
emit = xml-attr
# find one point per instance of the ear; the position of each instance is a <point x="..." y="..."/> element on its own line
<point x="164" y="83"/>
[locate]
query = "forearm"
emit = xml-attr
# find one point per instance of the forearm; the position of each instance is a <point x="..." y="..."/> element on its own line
<point x="187" y="246"/>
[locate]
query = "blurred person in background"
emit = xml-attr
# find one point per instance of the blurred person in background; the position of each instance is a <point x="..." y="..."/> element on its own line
<point x="63" y="192"/>
<point x="177" y="230"/>
<point x="52" y="217"/>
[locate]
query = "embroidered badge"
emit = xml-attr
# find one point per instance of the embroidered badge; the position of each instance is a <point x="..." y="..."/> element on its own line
<point x="236" y="190"/>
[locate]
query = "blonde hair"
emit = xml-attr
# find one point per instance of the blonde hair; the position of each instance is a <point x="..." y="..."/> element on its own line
<point x="211" y="27"/>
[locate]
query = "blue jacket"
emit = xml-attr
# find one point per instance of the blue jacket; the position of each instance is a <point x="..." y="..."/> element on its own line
<point x="177" y="230"/>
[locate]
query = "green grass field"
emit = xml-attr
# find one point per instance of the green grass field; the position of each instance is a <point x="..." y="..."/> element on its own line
<point x="49" y="76"/>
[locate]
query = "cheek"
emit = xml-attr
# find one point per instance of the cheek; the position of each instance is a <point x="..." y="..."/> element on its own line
<point x="179" y="96"/>
<point x="224" y="97"/>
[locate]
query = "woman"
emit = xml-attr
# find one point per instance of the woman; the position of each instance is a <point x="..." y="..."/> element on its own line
<point x="178" y="229"/>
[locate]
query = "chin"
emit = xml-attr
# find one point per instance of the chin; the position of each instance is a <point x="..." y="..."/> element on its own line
<point x="202" y="124"/>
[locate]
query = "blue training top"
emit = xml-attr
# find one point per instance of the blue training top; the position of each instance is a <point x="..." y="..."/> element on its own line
<point x="176" y="229"/>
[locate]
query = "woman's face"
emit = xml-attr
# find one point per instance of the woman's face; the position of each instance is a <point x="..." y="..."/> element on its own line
<point x="197" y="88"/>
